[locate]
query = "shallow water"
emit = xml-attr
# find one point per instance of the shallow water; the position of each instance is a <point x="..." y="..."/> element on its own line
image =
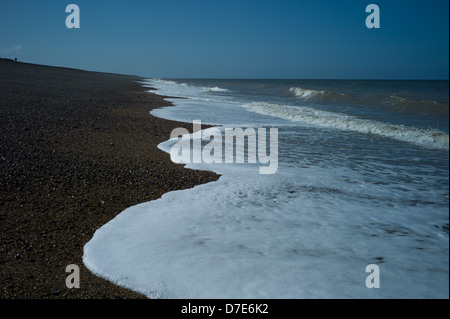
<point x="362" y="178"/>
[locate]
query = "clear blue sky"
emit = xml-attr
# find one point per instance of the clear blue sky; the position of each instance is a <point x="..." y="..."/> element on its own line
<point x="233" y="39"/>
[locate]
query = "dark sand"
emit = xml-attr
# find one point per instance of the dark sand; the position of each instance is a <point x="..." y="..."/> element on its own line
<point x="77" y="148"/>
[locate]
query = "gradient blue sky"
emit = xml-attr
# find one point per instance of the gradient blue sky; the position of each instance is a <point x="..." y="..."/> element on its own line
<point x="310" y="39"/>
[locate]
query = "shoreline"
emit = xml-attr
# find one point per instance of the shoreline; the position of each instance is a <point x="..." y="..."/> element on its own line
<point x="78" y="148"/>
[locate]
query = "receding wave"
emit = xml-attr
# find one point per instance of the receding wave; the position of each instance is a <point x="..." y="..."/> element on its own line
<point x="425" y="138"/>
<point x="308" y="94"/>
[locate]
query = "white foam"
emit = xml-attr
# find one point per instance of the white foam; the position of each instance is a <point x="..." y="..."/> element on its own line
<point x="425" y="138"/>
<point x="305" y="93"/>
<point x="248" y="236"/>
<point x="215" y="89"/>
<point x="308" y="231"/>
<point x="164" y="84"/>
<point x="169" y="82"/>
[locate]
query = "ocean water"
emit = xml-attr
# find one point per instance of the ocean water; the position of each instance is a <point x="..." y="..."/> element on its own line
<point x="362" y="178"/>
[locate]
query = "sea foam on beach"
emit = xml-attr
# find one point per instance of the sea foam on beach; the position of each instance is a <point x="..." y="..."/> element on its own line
<point x="340" y="200"/>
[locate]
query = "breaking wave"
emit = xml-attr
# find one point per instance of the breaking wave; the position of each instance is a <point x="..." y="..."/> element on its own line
<point x="307" y="94"/>
<point x="215" y="89"/>
<point x="405" y="104"/>
<point x="426" y="138"/>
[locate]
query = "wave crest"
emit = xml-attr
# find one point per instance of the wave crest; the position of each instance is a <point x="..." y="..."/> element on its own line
<point x="309" y="94"/>
<point x="305" y="93"/>
<point x="215" y="89"/>
<point x="426" y="138"/>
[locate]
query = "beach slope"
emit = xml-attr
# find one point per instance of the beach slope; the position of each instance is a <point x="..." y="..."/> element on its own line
<point x="77" y="148"/>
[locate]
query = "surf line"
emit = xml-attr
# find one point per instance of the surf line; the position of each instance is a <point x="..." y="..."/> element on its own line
<point x="233" y="141"/>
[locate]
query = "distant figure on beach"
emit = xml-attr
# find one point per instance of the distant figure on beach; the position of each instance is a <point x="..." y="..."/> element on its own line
<point x="15" y="59"/>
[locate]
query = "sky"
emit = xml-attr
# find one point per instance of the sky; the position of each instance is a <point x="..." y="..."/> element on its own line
<point x="291" y="39"/>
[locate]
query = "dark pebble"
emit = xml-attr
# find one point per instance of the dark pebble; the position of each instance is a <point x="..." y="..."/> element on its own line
<point x="63" y="165"/>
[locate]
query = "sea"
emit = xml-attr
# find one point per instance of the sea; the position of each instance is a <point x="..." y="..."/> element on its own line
<point x="356" y="207"/>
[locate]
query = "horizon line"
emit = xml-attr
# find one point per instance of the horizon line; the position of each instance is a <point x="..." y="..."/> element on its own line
<point x="238" y="78"/>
